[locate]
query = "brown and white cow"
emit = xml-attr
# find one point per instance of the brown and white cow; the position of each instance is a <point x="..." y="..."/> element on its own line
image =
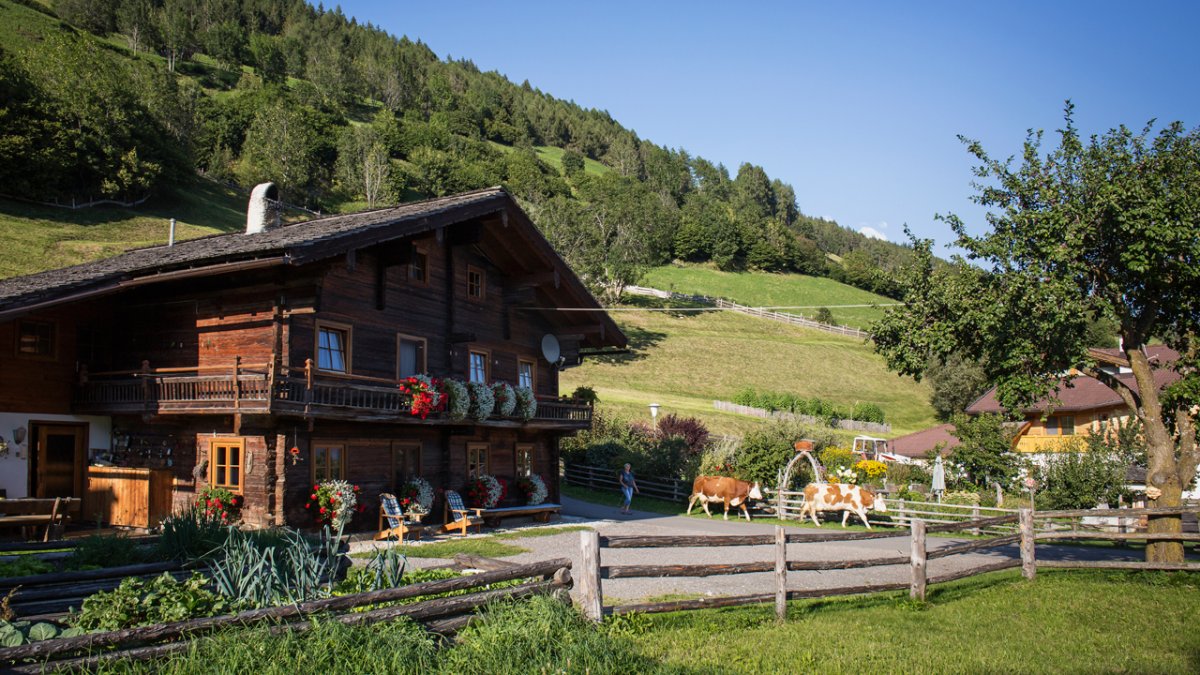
<point x="730" y="491"/>
<point x="840" y="497"/>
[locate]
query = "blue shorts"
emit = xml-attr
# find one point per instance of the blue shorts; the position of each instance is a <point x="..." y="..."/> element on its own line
<point x="628" y="491"/>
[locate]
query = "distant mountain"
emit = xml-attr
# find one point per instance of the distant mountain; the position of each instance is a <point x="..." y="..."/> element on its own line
<point x="133" y="97"/>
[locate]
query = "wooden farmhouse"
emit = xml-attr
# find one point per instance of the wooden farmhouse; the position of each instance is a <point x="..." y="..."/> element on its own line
<point x="268" y="360"/>
<point x="1084" y="403"/>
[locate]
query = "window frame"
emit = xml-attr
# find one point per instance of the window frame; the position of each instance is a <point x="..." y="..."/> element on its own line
<point x="227" y="443"/>
<point x="475" y="453"/>
<point x="347" y="331"/>
<point x="424" y="267"/>
<point x="1066" y="429"/>
<point x="482" y="294"/>
<point x="312" y="460"/>
<point x="527" y="470"/>
<point x="533" y="374"/>
<point x="52" y="351"/>
<point x="487" y="364"/>
<point x="1050" y="426"/>
<point x="424" y="365"/>
<point x="400" y="453"/>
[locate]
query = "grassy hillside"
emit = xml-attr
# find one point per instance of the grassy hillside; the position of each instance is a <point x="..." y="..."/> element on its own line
<point x="771" y="290"/>
<point x="685" y="361"/>
<point x="36" y="238"/>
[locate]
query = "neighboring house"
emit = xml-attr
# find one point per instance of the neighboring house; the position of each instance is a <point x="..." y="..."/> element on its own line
<point x="268" y="360"/>
<point x="1085" y="403"/>
<point x="918" y="444"/>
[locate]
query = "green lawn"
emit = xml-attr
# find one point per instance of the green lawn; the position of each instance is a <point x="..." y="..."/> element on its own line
<point x="686" y="361"/>
<point x="553" y="156"/>
<point x="491" y="546"/>
<point x="996" y="623"/>
<point x="762" y="289"/>
<point x="37" y="238"/>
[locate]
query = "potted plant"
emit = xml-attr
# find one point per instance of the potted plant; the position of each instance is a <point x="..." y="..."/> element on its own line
<point x="218" y="502"/>
<point x="506" y="398"/>
<point x="424" y="395"/>
<point x="534" y="489"/>
<point x="416" y="498"/>
<point x="334" y="502"/>
<point x="483" y="491"/>
<point x="526" y="403"/>
<point x="483" y="401"/>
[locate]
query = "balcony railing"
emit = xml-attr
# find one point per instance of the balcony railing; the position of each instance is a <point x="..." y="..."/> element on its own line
<point x="257" y="390"/>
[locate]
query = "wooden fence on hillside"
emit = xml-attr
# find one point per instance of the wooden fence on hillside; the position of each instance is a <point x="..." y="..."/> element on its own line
<point x="592" y="571"/>
<point x="783" y="317"/>
<point x="444" y="615"/>
<point x="599" y="478"/>
<point x="849" y="425"/>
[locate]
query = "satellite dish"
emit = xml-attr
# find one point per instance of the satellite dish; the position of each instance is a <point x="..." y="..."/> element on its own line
<point x="550" y="349"/>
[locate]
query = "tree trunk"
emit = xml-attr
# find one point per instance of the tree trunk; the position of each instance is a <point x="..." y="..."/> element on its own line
<point x="1162" y="472"/>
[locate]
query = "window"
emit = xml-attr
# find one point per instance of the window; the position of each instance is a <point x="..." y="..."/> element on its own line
<point x="525" y="373"/>
<point x="35" y="338"/>
<point x="1051" y="426"/>
<point x="328" y="462"/>
<point x="524" y="459"/>
<point x="333" y="348"/>
<point x="1066" y="425"/>
<point x="477" y="459"/>
<point x="418" y="269"/>
<point x="410" y="356"/>
<point x="475" y="283"/>
<point x="406" y="461"/>
<point x="225" y="463"/>
<point x="478" y="367"/>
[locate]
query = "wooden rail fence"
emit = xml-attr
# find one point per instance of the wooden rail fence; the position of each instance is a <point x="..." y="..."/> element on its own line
<point x="595" y="477"/>
<point x="445" y="615"/>
<point x="593" y="572"/>
<point x="848" y="425"/>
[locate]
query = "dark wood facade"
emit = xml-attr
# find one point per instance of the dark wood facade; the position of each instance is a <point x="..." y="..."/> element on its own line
<point x="222" y="349"/>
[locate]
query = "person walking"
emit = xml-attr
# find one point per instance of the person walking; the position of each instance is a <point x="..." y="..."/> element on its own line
<point x="628" y="487"/>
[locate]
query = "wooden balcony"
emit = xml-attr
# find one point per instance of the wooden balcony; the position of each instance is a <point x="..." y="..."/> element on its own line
<point x="260" y="392"/>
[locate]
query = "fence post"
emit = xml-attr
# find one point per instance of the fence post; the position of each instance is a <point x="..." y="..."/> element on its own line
<point x="917" y="590"/>
<point x="1028" y="564"/>
<point x="975" y="516"/>
<point x="589" y="577"/>
<point x="900" y="513"/>
<point x="780" y="573"/>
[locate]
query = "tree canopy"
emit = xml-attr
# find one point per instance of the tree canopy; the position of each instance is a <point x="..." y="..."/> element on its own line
<point x="1099" y="227"/>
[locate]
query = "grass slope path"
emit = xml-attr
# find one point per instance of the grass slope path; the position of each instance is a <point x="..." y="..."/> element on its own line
<point x="685" y="361"/>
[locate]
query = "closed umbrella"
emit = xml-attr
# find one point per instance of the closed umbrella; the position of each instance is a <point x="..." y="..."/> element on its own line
<point x="939" y="478"/>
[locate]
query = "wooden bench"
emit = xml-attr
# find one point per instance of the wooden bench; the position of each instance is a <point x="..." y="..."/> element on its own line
<point x="540" y="513"/>
<point x="33" y="513"/>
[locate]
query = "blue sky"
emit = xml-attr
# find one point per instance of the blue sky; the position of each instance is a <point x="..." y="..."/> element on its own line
<point x="857" y="105"/>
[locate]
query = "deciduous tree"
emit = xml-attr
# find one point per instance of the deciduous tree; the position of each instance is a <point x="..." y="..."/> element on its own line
<point x="1100" y="226"/>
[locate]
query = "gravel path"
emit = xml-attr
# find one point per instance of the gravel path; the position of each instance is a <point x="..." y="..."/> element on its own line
<point x="608" y="521"/>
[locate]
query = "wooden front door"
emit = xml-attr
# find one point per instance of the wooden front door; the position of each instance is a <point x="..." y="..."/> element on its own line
<point x="59" y="459"/>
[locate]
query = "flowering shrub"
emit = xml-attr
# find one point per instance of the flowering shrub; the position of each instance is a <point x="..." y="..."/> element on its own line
<point x="506" y="398"/>
<point x="534" y="489"/>
<point x="416" y="496"/>
<point x="526" y="403"/>
<point x="458" y="401"/>
<point x="843" y="474"/>
<point x="870" y="471"/>
<point x="334" y="502"/>
<point x="424" y="395"/>
<point x="482" y="401"/>
<point x="218" y="502"/>
<point x="484" y="491"/>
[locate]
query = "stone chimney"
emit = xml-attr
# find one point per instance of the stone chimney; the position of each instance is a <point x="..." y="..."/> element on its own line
<point x="263" y="211"/>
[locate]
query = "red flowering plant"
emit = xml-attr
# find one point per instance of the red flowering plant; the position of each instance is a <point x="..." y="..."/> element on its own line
<point x="425" y="395"/>
<point x="218" y="502"/>
<point x="484" y="491"/>
<point x="334" y="502"/>
<point x="533" y="488"/>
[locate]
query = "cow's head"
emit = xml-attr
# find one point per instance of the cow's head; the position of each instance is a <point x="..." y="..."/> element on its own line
<point x="870" y="500"/>
<point x="755" y="492"/>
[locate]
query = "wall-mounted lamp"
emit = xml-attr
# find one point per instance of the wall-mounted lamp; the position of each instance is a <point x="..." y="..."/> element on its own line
<point x="18" y="435"/>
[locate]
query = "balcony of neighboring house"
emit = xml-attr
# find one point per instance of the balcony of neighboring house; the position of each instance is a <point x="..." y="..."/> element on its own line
<point x="305" y="392"/>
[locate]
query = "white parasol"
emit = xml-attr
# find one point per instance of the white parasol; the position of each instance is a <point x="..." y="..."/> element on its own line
<point x="939" y="478"/>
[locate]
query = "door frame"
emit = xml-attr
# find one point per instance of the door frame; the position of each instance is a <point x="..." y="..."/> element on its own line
<point x="81" y="444"/>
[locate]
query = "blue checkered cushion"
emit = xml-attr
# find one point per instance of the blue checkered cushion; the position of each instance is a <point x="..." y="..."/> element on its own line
<point x="391" y="509"/>
<point x="454" y="500"/>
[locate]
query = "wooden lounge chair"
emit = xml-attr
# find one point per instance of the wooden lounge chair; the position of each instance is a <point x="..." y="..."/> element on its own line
<point x="397" y="526"/>
<point x="463" y="517"/>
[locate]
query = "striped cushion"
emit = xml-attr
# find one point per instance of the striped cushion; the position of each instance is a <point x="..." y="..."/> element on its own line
<point x="455" y="501"/>
<point x="391" y="509"/>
